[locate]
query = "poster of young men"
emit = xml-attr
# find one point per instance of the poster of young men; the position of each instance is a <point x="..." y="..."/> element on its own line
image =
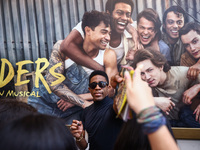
<point x="38" y="37"/>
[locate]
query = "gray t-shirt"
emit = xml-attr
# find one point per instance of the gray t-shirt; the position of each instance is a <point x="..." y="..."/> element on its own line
<point x="175" y="85"/>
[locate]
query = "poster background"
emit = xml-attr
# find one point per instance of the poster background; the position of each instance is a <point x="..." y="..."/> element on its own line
<point x="29" y="28"/>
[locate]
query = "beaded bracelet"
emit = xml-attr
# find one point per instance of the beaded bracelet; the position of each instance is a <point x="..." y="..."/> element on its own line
<point x="151" y="119"/>
<point x="150" y="111"/>
<point x="154" y="125"/>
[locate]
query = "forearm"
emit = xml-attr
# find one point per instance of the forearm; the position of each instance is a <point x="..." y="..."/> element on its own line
<point x="86" y="96"/>
<point x="198" y="87"/>
<point x="82" y="144"/>
<point x="162" y="139"/>
<point x="66" y="94"/>
<point x="72" y="48"/>
<point x="59" y="88"/>
<point x="156" y="99"/>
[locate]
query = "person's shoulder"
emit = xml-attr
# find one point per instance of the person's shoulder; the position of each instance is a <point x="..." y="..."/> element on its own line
<point x="187" y="59"/>
<point x="110" y="53"/>
<point x="178" y="73"/>
<point x="164" y="38"/>
<point x="78" y="28"/>
<point x="163" y="45"/>
<point x="88" y="108"/>
<point x="180" y="70"/>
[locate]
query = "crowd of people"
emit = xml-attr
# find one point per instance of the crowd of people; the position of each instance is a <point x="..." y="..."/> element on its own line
<point x="81" y="111"/>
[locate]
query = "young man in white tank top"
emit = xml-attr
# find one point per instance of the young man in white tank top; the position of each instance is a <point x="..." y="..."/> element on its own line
<point x="121" y="41"/>
<point x="97" y="35"/>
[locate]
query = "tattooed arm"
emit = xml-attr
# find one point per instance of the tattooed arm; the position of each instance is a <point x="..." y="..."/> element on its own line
<point x="61" y="90"/>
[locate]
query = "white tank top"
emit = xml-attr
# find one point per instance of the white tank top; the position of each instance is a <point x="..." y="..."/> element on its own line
<point x="99" y="58"/>
<point x="118" y="50"/>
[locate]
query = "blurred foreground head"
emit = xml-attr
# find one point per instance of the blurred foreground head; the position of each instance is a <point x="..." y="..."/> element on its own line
<point x="36" y="132"/>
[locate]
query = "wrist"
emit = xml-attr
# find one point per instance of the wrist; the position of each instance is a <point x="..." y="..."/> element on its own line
<point x="80" y="138"/>
<point x="139" y="109"/>
<point x="84" y="104"/>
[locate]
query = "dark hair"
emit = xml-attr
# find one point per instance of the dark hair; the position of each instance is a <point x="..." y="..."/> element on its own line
<point x="110" y="4"/>
<point x="177" y="10"/>
<point x="99" y="72"/>
<point x="155" y="56"/>
<point x="188" y="27"/>
<point x="36" y="132"/>
<point x="13" y="109"/>
<point x="152" y="16"/>
<point x="93" y="19"/>
<point x="131" y="136"/>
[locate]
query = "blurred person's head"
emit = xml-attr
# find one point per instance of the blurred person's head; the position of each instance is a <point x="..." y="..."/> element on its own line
<point x="148" y="24"/>
<point x="120" y="11"/>
<point x="154" y="64"/>
<point x="36" y="132"/>
<point x="98" y="85"/>
<point x="174" y="19"/>
<point x="190" y="36"/>
<point x="131" y="136"/>
<point x="11" y="109"/>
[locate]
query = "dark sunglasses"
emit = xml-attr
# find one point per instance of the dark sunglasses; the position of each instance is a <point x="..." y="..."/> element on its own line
<point x="101" y="84"/>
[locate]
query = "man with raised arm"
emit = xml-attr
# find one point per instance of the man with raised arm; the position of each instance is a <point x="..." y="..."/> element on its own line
<point x="96" y="27"/>
<point x="120" y="41"/>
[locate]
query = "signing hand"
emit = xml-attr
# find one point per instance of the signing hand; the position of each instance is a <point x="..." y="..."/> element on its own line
<point x="76" y="128"/>
<point x="136" y="98"/>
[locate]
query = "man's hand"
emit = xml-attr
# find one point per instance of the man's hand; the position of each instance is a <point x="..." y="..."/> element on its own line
<point x="164" y="103"/>
<point x="189" y="94"/>
<point x="115" y="80"/>
<point x="132" y="30"/>
<point x="197" y="112"/>
<point x="130" y="55"/>
<point x="193" y="71"/>
<point x="64" y="105"/>
<point x="137" y="99"/>
<point x="76" y="129"/>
